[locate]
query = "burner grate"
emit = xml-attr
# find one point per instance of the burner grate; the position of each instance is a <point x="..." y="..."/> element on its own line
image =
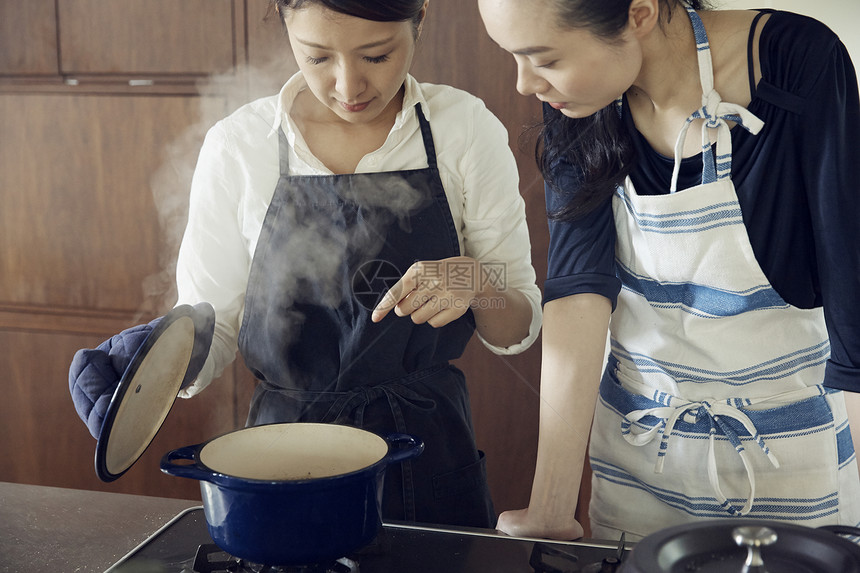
<point x="212" y="559"/>
<point x="547" y="559"/>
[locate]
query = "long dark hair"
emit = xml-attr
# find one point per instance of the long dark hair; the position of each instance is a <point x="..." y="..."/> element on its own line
<point x="598" y="147"/>
<point x="376" y="10"/>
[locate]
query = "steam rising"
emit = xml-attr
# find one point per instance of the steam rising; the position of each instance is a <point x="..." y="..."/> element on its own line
<point x="322" y="240"/>
<point x="317" y="246"/>
<point x="327" y="231"/>
<point x="171" y="183"/>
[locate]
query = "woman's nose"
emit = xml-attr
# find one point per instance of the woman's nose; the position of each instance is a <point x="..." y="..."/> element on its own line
<point x="349" y="82"/>
<point x="529" y="83"/>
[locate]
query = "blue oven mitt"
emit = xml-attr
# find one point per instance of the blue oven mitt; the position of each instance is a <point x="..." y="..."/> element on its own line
<point x="95" y="373"/>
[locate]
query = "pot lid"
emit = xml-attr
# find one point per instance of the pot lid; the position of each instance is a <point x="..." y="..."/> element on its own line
<point x="719" y="546"/>
<point x="169" y="359"/>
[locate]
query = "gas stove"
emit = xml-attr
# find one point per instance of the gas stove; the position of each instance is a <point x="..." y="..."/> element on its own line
<point x="183" y="545"/>
<point x="212" y="559"/>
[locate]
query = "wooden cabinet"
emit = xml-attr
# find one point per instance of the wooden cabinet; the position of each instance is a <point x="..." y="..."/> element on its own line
<point x="165" y="38"/>
<point x="154" y="37"/>
<point x="94" y="179"/>
<point x="79" y="214"/>
<point x="92" y="213"/>
<point x="28" y="38"/>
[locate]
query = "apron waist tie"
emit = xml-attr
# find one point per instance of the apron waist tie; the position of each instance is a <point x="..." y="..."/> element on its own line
<point x="694" y="412"/>
<point x="357" y="400"/>
<point x="354" y="401"/>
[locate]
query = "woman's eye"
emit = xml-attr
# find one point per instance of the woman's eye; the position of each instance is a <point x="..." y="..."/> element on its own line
<point x="315" y="61"/>
<point x="377" y="59"/>
<point x="547" y="65"/>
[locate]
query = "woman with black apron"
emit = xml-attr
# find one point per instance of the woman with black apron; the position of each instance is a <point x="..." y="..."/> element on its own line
<point x="353" y="182"/>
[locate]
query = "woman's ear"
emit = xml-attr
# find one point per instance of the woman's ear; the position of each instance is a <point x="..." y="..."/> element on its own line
<point x="423" y="18"/>
<point x="644" y="15"/>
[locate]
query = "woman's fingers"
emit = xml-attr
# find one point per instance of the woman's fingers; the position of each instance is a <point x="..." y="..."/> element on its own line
<point x="424" y="296"/>
<point x="394" y="296"/>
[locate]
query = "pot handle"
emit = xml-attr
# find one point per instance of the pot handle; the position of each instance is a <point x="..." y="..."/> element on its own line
<point x="416" y="446"/>
<point x="842" y="530"/>
<point x="191" y="471"/>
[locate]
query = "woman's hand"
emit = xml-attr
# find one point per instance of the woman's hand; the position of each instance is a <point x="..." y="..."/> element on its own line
<point x="521" y="523"/>
<point x="435" y="292"/>
<point x="95" y="373"/>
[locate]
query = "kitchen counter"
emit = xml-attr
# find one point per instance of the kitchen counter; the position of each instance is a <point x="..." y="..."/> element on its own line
<point x="70" y="531"/>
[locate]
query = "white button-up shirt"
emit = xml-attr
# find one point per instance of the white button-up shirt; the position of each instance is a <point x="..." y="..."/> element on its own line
<point x="238" y="168"/>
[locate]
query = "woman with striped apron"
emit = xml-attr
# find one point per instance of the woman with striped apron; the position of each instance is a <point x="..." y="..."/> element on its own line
<point x="712" y="402"/>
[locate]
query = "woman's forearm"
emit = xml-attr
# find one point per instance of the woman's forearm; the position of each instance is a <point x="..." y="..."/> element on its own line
<point x="574" y="344"/>
<point x="502" y="318"/>
<point x="573" y="351"/>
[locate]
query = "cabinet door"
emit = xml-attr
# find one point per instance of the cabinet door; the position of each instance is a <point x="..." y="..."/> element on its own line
<point x="28" y="38"/>
<point x="157" y="37"/>
<point x="94" y="191"/>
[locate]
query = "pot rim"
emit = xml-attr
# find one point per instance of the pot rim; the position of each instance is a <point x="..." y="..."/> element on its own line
<point x="200" y="471"/>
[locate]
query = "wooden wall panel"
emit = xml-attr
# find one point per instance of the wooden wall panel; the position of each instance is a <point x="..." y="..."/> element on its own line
<point x="28" y="38"/>
<point x="270" y="58"/>
<point x="79" y="224"/>
<point x="158" y="37"/>
<point x="267" y="39"/>
<point x="94" y="180"/>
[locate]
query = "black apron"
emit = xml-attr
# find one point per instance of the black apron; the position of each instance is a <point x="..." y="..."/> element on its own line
<point x="329" y="247"/>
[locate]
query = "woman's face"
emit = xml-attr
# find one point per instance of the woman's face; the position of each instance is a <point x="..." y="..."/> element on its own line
<point x="354" y="67"/>
<point x="571" y="69"/>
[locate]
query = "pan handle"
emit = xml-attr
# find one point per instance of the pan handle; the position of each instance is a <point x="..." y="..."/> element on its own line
<point x="191" y="471"/>
<point x="414" y="449"/>
<point x="842" y="530"/>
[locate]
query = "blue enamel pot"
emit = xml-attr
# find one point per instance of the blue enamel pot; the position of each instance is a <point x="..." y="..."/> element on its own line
<point x="292" y="494"/>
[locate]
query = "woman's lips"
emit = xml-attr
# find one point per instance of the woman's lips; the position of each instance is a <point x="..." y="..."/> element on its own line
<point x="556" y="105"/>
<point x="354" y="107"/>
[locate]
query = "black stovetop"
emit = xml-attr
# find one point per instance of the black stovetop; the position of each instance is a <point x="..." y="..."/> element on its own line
<point x="399" y="548"/>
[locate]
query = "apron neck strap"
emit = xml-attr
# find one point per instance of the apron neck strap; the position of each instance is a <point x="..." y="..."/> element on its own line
<point x="715" y="112"/>
<point x="426" y="136"/>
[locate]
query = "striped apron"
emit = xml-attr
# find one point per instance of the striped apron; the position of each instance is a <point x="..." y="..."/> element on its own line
<point x="712" y="402"/>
